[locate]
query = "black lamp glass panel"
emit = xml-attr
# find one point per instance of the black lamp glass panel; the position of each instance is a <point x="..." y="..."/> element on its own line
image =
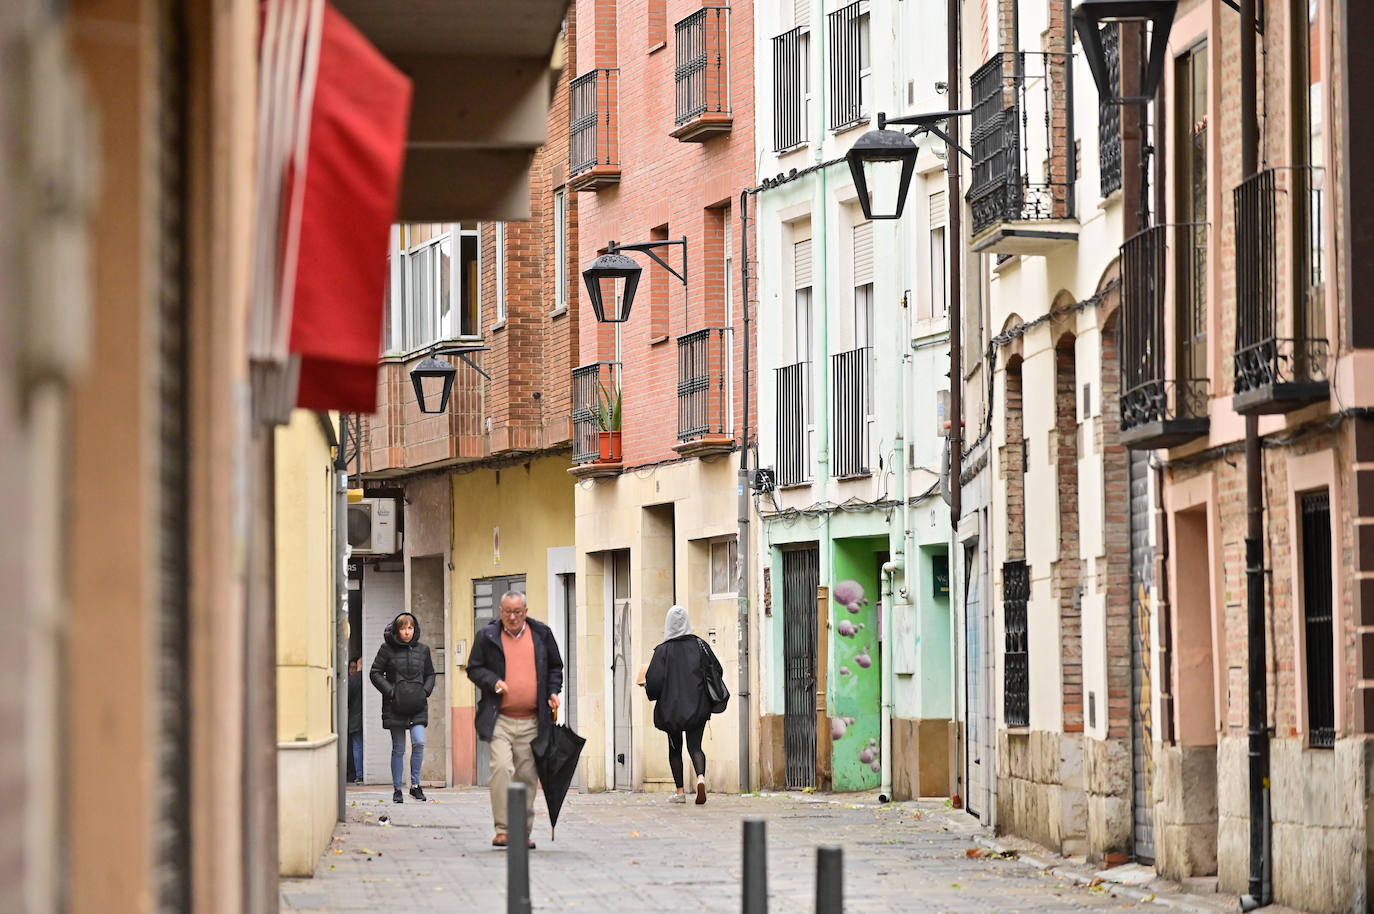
<point x="433" y="382"/>
<point x="611" y="282"/>
<point x="882" y="163"/>
<point x="1089" y="17"/>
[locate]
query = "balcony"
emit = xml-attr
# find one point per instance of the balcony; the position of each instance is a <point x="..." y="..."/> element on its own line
<point x="1160" y="408"/>
<point x="1021" y="190"/>
<point x="703" y="75"/>
<point x="790" y="94"/>
<point x="593" y="130"/>
<point x="588" y="382"/>
<point x="849" y="67"/>
<point x="703" y="393"/>
<point x="1281" y="353"/>
<point x="852" y="404"/>
<point x="794" y="423"/>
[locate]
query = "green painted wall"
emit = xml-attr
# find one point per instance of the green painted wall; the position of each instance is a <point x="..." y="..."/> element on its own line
<point x="856" y="666"/>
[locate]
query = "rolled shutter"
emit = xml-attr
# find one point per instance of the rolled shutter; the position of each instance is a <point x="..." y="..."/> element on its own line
<point x="863" y="253"/>
<point x="801" y="259"/>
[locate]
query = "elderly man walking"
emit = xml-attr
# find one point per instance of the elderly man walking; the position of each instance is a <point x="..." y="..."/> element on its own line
<point x="516" y="664"/>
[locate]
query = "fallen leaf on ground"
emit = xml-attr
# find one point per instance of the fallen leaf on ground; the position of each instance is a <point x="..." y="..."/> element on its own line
<point x="363" y="850"/>
<point x="972" y="852"/>
<point x="634" y="834"/>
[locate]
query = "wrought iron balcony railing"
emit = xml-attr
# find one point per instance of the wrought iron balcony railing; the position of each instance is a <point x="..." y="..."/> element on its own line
<point x="794" y="423"/>
<point x="852" y="403"/>
<point x="1281" y="352"/>
<point x="588" y="382"/>
<point x="1162" y="403"/>
<point x="703" y="74"/>
<point x="593" y="135"/>
<point x="1016" y="664"/>
<point x="1109" y="116"/>
<point x="703" y="389"/>
<point x="1022" y="164"/>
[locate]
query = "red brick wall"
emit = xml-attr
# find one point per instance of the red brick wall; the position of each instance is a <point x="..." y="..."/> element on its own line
<point x="664" y="182"/>
<point x="1014" y="465"/>
<point x="1114" y="567"/>
<point x="1065" y="574"/>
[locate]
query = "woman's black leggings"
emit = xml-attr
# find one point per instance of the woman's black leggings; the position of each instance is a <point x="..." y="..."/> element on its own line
<point x="693" y="749"/>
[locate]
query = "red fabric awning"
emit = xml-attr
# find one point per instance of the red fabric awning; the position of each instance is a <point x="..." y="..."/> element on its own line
<point x="352" y="181"/>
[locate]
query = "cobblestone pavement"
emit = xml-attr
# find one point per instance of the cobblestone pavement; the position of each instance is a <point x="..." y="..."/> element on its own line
<point x="622" y="852"/>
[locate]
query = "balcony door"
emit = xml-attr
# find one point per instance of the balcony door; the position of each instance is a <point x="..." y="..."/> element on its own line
<point x="1191" y="207"/>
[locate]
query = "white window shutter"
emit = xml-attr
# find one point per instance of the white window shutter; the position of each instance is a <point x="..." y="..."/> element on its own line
<point x="801" y="264"/>
<point x="863" y="253"/>
<point x="939" y="210"/>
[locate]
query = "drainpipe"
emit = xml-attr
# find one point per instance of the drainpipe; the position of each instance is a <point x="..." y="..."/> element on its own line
<point x="1254" y="534"/>
<point x="890" y="570"/>
<point x="956" y="243"/>
<point x="743" y="551"/>
<point x="339" y="444"/>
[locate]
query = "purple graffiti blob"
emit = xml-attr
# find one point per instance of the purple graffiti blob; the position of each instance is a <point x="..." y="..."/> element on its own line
<point x="844" y="671"/>
<point x="852" y="607"/>
<point x="866" y="756"/>
<point x="877" y="766"/>
<point x="837" y="728"/>
<point x="863" y="660"/>
<point x="846" y="628"/>
<point x="848" y="592"/>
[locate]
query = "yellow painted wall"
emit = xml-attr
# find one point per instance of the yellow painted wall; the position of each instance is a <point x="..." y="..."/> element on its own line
<point x="532" y="503"/>
<point x="305" y="581"/>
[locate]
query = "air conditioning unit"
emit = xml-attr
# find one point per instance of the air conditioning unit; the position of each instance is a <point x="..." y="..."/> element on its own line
<point x="372" y="526"/>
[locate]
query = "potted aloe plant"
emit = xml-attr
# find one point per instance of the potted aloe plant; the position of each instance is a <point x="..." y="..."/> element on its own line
<point x="606" y="411"/>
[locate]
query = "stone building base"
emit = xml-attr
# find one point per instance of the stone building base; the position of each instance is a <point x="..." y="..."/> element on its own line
<point x="923" y="761"/>
<point x="1107" y="775"/>
<point x="1040" y="789"/>
<point x="1185" y="792"/>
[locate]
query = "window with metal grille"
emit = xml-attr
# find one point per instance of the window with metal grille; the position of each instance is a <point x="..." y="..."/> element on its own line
<point x="724" y="558"/>
<point x="702" y="72"/>
<point x="1316" y="602"/>
<point x="791" y="88"/>
<point x="1016" y="668"/>
<point x="1109" y="115"/>
<point x="849" y="65"/>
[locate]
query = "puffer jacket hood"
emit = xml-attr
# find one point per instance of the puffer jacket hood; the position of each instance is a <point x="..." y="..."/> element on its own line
<point x="389" y="634"/>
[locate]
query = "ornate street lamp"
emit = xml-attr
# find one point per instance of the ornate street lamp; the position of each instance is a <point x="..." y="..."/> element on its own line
<point x="882" y="161"/>
<point x="433" y="378"/>
<point x="1089" y="17"/>
<point x="610" y="300"/>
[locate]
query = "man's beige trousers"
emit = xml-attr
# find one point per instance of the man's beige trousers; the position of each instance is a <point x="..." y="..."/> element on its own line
<point x="511" y="756"/>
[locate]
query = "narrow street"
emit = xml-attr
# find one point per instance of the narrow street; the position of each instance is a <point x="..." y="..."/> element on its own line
<point x="620" y="852"/>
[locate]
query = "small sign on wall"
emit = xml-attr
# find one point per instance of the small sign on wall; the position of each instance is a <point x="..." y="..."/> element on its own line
<point x="939" y="573"/>
<point x="496" y="545"/>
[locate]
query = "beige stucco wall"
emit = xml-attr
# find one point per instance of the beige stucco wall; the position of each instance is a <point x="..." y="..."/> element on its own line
<point x="611" y="516"/>
<point x="307" y="743"/>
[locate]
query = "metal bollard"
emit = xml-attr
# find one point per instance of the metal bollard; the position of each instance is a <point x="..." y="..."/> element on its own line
<point x="755" y="868"/>
<point x="829" y="880"/>
<point x="517" y="852"/>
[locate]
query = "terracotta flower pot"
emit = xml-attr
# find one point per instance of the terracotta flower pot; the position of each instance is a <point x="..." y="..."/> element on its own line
<point x="610" y="446"/>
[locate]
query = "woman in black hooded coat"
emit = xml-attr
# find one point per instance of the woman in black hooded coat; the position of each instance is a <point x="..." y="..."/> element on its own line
<point x="404" y="673"/>
<point x="676" y="683"/>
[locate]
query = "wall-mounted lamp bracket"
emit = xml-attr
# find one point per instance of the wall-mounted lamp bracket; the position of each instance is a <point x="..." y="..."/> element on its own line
<point x="647" y="248"/>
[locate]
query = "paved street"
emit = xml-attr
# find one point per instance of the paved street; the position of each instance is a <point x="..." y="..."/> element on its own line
<point x="638" y="853"/>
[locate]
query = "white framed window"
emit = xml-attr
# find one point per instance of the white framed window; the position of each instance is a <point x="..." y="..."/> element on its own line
<point x="433" y="285"/>
<point x="938" y="300"/>
<point x="865" y="67"/>
<point x="500" y="271"/>
<point x="560" y="250"/>
<point x="724" y="560"/>
<point x="801" y="322"/>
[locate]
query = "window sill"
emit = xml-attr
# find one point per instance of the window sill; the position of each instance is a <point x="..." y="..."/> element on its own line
<point x="559" y="311"/>
<point x="498" y="326"/>
<point x="853" y="125"/>
<point x="655" y="340"/>
<point x="656" y="46"/>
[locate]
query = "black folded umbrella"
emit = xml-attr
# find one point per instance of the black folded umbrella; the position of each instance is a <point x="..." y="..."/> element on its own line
<point x="556" y="762"/>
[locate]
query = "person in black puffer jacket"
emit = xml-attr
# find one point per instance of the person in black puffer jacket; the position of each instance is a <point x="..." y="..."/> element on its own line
<point x="404" y="673"/>
<point x="676" y="683"/>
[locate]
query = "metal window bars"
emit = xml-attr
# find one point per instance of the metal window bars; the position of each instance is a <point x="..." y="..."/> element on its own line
<point x="794" y="420"/>
<point x="1317" y="619"/>
<point x="703" y="397"/>
<point x="1020" y="172"/>
<point x="592" y="138"/>
<point x="702" y="75"/>
<point x="1016" y="669"/>
<point x="587" y="384"/>
<point x="789" y="99"/>
<point x="851" y="402"/>
<point x="1275" y="345"/>
<point x="846" y="50"/>
<point x="1109" y="116"/>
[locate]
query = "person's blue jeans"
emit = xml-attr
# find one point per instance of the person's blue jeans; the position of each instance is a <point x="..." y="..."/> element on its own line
<point x="398" y="751"/>
<point x="355" y="749"/>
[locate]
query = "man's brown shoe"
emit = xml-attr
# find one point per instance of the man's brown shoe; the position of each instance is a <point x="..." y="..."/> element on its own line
<point x="499" y="840"/>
